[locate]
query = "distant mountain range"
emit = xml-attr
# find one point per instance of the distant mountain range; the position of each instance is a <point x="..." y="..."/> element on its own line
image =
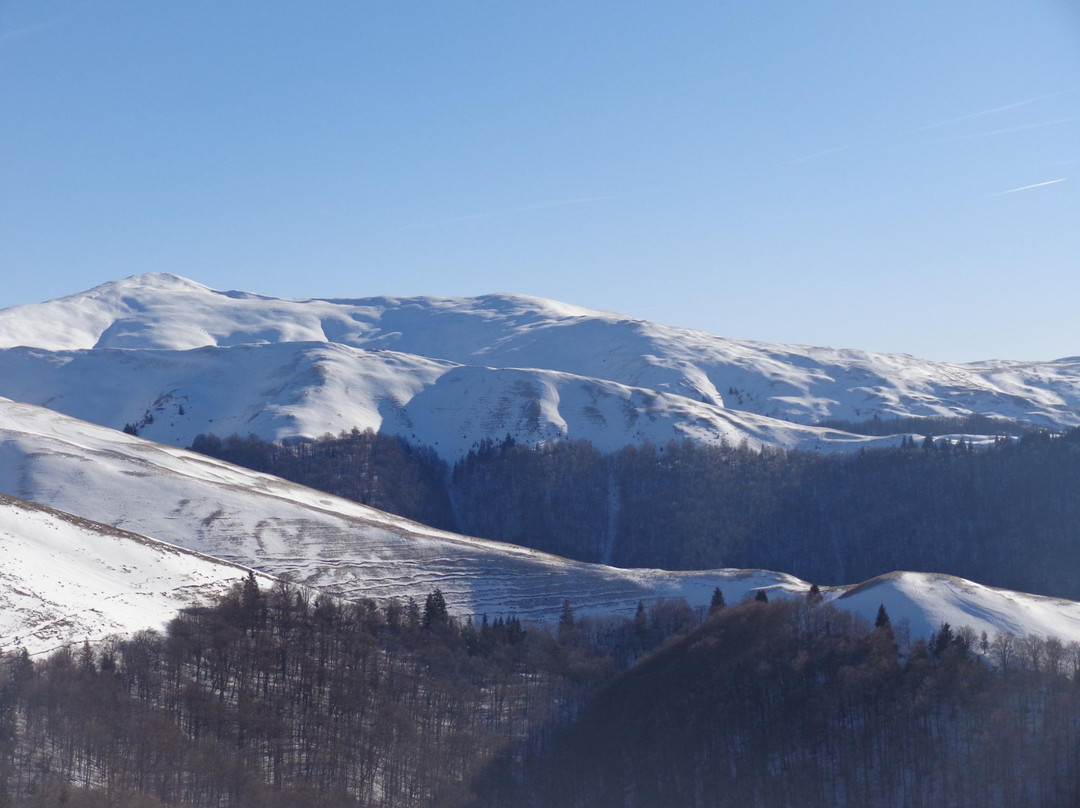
<point x="103" y="531"/>
<point x="172" y="358"/>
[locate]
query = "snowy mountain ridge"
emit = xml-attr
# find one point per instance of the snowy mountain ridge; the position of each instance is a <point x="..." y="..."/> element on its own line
<point x="162" y="353"/>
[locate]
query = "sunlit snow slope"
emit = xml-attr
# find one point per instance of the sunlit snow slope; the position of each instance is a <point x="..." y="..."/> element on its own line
<point x="283" y="390"/>
<point x="176" y="358"/>
<point x="307" y="536"/>
<point x="64" y="579"/>
<point x="926" y="600"/>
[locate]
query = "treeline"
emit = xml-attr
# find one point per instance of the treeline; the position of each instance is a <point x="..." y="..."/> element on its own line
<point x="270" y="699"/>
<point x="797" y="705"/>
<point x="384" y="472"/>
<point x="1006" y="515"/>
<point x="933" y="425"/>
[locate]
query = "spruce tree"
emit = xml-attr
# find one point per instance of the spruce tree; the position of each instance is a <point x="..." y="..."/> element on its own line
<point x="717" y="603"/>
<point x="435" y="612"/>
<point x="566" y="619"/>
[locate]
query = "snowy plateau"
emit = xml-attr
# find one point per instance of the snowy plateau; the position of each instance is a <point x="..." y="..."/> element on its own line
<point x="103" y="532"/>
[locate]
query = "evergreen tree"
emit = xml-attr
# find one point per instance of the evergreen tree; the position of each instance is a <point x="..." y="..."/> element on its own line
<point x="941" y="639"/>
<point x="566" y="619"/>
<point x="717" y="603"/>
<point x="435" y="611"/>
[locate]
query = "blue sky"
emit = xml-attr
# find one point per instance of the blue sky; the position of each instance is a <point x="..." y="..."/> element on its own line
<point x="894" y="176"/>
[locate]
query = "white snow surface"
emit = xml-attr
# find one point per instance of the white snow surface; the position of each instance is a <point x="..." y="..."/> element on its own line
<point x="64" y="578"/>
<point x="304" y="389"/>
<point x="450" y="372"/>
<point x="926" y="600"/>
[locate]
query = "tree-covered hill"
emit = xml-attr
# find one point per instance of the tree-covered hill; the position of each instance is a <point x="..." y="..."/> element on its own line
<point x="796" y="705"/>
<point x="272" y="698"/>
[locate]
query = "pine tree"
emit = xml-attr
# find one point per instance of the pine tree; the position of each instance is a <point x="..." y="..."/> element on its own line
<point x="251" y="602"/>
<point x="435" y="611"/>
<point x="882" y="618"/>
<point x="250" y="593"/>
<point x="566" y="620"/>
<point x="717" y="603"/>
<point x="941" y="640"/>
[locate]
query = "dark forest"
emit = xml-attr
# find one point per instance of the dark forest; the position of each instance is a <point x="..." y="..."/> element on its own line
<point x="270" y="698"/>
<point x="1006" y="515"/>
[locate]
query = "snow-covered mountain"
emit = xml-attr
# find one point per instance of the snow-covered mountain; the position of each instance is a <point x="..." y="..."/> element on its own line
<point x="65" y="579"/>
<point x="83" y="567"/>
<point x="176" y="358"/>
<point x="282" y="390"/>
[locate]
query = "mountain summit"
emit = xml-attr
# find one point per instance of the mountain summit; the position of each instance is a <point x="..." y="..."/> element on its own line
<point x="163" y="355"/>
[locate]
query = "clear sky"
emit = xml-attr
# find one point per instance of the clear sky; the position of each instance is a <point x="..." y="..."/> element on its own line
<point x="895" y="175"/>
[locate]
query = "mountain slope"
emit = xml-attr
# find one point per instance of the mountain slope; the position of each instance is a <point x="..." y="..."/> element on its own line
<point x="455" y="371"/>
<point x="65" y="579"/>
<point x="354" y="551"/>
<point x="926" y="600"/>
<point x="285" y="390"/>
<point x="313" y="538"/>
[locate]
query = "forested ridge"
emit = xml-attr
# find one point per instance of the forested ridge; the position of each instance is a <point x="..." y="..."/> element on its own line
<point x="797" y="705"/>
<point x="270" y="698"/>
<point x="1006" y="515"/>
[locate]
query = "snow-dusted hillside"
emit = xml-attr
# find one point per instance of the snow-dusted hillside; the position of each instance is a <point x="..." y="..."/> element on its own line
<point x="926" y="600"/>
<point x="307" y="536"/>
<point x="71" y="579"/>
<point x="449" y="372"/>
<point x="64" y="579"/>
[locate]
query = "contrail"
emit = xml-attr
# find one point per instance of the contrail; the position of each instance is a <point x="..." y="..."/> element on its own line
<point x="490" y="214"/>
<point x="1029" y="187"/>
<point x="992" y="132"/>
<point x="36" y="28"/>
<point x="806" y="158"/>
<point x="993" y="110"/>
<point x="19" y="33"/>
